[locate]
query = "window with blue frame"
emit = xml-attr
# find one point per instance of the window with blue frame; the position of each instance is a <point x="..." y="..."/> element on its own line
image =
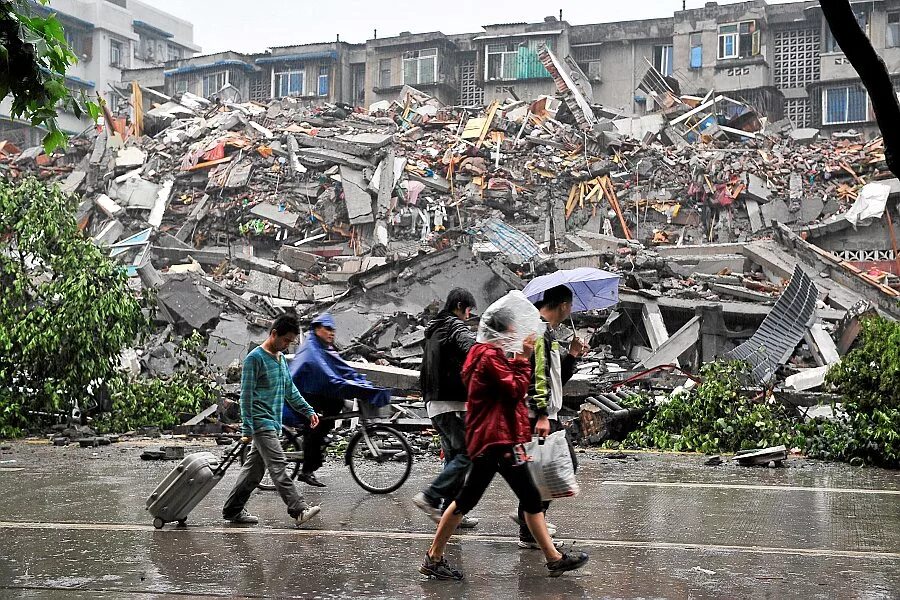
<point x="323" y="81"/>
<point x="289" y="83"/>
<point x="696" y="51"/>
<point x="845" y="104"/>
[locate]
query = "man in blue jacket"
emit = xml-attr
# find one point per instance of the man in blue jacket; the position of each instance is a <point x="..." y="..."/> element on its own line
<point x="326" y="380"/>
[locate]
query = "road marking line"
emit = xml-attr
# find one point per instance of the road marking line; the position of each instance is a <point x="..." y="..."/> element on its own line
<point x="737" y="486"/>
<point x="412" y="535"/>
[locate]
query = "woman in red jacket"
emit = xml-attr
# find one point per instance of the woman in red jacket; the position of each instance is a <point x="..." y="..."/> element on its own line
<point x="497" y="426"/>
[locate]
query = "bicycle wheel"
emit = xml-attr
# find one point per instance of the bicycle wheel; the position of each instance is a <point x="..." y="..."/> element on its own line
<point x="292" y="454"/>
<point x="379" y="458"/>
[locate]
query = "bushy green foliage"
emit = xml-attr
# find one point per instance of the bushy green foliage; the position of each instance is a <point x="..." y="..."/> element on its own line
<point x="716" y="416"/>
<point x="65" y="308"/>
<point x="868" y="378"/>
<point x="34" y="57"/>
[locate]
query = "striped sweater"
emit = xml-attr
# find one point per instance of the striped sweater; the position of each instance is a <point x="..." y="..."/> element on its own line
<point x="265" y="386"/>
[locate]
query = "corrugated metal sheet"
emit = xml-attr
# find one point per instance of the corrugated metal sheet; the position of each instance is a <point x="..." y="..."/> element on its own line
<point x="782" y="329"/>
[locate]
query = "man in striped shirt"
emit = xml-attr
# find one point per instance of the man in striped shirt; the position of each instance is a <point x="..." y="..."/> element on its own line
<point x="265" y="386"/>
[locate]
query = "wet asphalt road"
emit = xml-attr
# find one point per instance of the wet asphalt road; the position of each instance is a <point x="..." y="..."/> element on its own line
<point x="73" y="525"/>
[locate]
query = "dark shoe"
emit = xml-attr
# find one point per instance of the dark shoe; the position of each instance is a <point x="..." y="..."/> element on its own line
<point x="310" y="479"/>
<point x="568" y="562"/>
<point x="244" y="518"/>
<point x="439" y="569"/>
<point x="527" y="541"/>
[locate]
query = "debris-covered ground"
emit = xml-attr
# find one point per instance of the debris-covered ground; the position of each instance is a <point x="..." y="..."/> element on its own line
<point x="233" y="213"/>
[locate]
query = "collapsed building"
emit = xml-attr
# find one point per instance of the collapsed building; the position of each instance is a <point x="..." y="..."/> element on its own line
<point x="733" y="235"/>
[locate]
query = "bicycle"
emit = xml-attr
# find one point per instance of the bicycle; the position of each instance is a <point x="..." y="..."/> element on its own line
<point x="379" y="457"/>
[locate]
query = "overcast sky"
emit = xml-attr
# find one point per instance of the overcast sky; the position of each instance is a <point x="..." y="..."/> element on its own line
<point x="252" y="26"/>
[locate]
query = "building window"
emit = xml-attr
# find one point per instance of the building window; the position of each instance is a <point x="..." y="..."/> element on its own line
<point x="384" y="73"/>
<point x="662" y="59"/>
<point x="73" y="39"/>
<point x="738" y="40"/>
<point x="115" y="53"/>
<point x="862" y="18"/>
<point x="419" y="66"/>
<point x="500" y="61"/>
<point x="214" y="82"/>
<point x="845" y="104"/>
<point x="323" y="81"/>
<point x="696" y="41"/>
<point x="289" y="83"/>
<point x="147" y="48"/>
<point x="174" y="52"/>
<point x="181" y="85"/>
<point x="892" y="39"/>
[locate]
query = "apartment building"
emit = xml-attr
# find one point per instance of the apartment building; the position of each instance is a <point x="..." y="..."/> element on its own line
<point x="780" y="58"/>
<point x="108" y="36"/>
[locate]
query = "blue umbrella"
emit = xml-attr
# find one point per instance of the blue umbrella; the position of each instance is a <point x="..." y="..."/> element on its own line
<point x="592" y="289"/>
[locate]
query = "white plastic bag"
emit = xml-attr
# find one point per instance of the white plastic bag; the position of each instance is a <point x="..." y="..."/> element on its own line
<point x="551" y="467"/>
<point x="510" y="321"/>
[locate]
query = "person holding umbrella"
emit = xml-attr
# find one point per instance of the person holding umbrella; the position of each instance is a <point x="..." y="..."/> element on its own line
<point x="557" y="296"/>
<point x="550" y="372"/>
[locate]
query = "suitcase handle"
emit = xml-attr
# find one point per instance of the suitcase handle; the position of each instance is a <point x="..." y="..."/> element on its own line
<point x="233" y="453"/>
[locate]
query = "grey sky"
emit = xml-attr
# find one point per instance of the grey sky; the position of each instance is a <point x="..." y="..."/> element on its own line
<point x="252" y="26"/>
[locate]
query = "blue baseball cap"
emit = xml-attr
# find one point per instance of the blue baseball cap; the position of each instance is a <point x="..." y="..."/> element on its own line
<point x="325" y="320"/>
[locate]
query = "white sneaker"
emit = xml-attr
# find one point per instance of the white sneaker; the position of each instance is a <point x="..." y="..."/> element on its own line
<point x="551" y="528"/>
<point x="306" y="514"/>
<point x="433" y="512"/>
<point x="468" y="522"/>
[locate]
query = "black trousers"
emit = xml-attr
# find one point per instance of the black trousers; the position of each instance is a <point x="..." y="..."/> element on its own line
<point x="498" y="459"/>
<point x="555" y="426"/>
<point x="314" y="439"/>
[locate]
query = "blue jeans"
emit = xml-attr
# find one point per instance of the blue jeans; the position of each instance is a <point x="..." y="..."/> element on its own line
<point x="451" y="427"/>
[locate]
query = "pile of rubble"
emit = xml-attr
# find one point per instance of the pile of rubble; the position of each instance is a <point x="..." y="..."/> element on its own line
<point x="236" y="212"/>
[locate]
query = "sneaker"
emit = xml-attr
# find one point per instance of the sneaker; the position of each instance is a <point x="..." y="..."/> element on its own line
<point x="568" y="562"/>
<point x="244" y="518"/>
<point x="439" y="569"/>
<point x="527" y="541"/>
<point x="306" y="514"/>
<point x="468" y="522"/>
<point x="310" y="479"/>
<point x="551" y="528"/>
<point x="422" y="501"/>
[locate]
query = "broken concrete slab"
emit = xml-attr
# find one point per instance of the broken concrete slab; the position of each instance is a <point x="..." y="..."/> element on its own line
<point x="162" y="202"/>
<point x="296" y="258"/>
<point x="135" y="193"/>
<point x="808" y="379"/>
<point x="356" y="195"/>
<point x="757" y="188"/>
<point x="754" y="214"/>
<point x="679" y="343"/>
<point x="274" y="214"/>
<point x="131" y="157"/>
<point x="108" y="206"/>
<point x="763" y="456"/>
<point x="188" y="303"/>
<point x="370" y="141"/>
<point x="824" y="349"/>
<point x="804" y="135"/>
<point x="230" y="340"/>
<point x="320" y="157"/>
<point x="110" y="233"/>
<point x="71" y="184"/>
<point x="777" y="211"/>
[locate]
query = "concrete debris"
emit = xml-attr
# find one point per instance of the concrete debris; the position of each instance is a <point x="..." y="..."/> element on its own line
<point x="729" y="236"/>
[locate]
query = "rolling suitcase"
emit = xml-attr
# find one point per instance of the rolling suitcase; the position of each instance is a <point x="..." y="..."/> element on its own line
<point x="188" y="483"/>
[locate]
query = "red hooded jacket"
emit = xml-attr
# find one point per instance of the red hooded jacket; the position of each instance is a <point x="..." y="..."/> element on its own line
<point x="497" y="412"/>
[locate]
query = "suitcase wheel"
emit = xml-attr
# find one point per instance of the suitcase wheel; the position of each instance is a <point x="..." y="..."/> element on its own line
<point x="158" y="523"/>
<point x="182" y="523"/>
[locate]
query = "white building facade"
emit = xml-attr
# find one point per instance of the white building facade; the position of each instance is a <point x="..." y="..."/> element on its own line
<point x="108" y="36"/>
